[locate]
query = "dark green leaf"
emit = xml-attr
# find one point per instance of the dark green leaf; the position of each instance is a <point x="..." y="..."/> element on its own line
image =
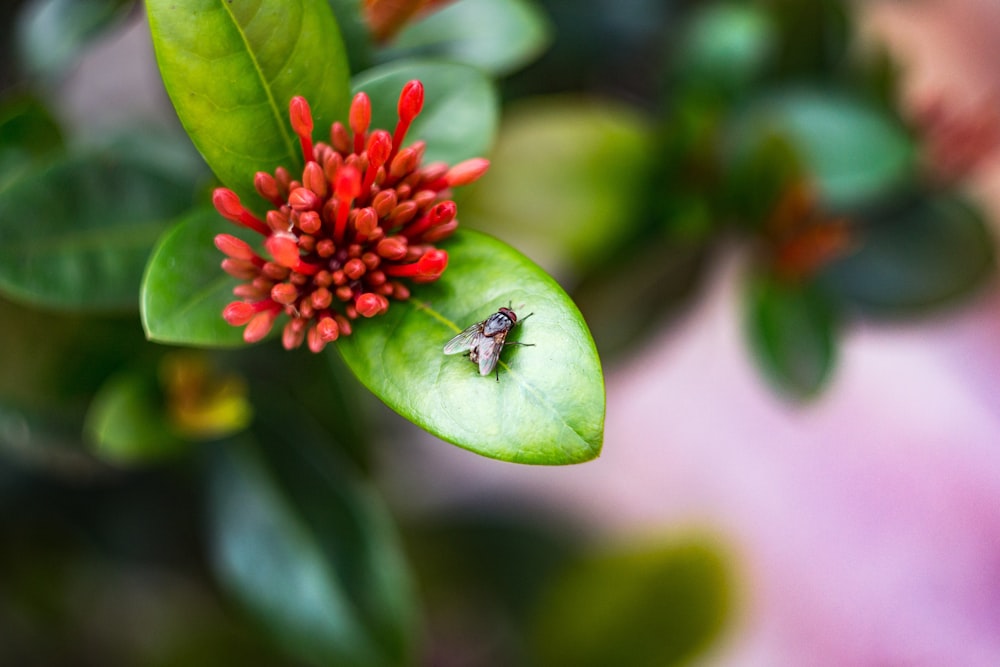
<point x="232" y="67"/>
<point x="56" y="361"/>
<point x="635" y="297"/>
<point x="640" y="608"/>
<point x="76" y="234"/>
<point x="185" y="289"/>
<point x="566" y="179"/>
<point x="28" y="131"/>
<point x="792" y="329"/>
<point x="127" y="422"/>
<point x="489" y="553"/>
<point x="459" y="116"/>
<point x="758" y="180"/>
<point x="354" y="31"/>
<point x="310" y="551"/>
<point x="726" y="47"/>
<point x="548" y="406"/>
<point x="815" y="37"/>
<point x="852" y="151"/>
<point x="53" y="33"/>
<point x="497" y="36"/>
<point x="927" y="253"/>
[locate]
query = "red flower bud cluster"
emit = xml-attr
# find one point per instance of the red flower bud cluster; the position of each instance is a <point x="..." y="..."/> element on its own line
<point x="345" y="237"/>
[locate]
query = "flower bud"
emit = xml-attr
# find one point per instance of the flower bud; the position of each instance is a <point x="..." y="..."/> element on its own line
<point x="235" y="248"/>
<point x="354" y="269"/>
<point x="302" y="123"/>
<point x="360" y="118"/>
<point x="259" y="326"/>
<point x="411" y="101"/>
<point x="284" y="248"/>
<point x="314" y="179"/>
<point x="304" y="199"/>
<point x="467" y="172"/>
<point x="384" y="202"/>
<point x="392" y="248"/>
<point x="238" y="313"/>
<point x="285" y="293"/>
<point x="328" y="329"/>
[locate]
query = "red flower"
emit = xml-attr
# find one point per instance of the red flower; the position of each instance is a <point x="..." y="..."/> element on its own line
<point x="363" y="217"/>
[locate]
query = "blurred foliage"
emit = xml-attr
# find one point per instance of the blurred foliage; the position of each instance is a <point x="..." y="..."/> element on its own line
<point x="51" y="34"/>
<point x="651" y="606"/>
<point x="218" y="506"/>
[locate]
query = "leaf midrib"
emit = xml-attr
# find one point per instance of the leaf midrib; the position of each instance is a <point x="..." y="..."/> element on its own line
<point x="271" y="102"/>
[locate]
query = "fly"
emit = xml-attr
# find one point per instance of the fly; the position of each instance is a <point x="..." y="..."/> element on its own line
<point x="485" y="340"/>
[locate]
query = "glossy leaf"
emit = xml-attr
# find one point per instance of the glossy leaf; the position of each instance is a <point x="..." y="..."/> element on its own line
<point x="232" y="67"/>
<point x="927" y="253"/>
<point x="564" y="180"/>
<point x="497" y="36"/>
<point x="184" y="289"/>
<point x="792" y="330"/>
<point x="459" y="116"/>
<point x="652" y="607"/>
<point x="53" y="33"/>
<point x="853" y="152"/>
<point x="127" y="422"/>
<point x="310" y="552"/>
<point x="76" y="234"/>
<point x="548" y="406"/>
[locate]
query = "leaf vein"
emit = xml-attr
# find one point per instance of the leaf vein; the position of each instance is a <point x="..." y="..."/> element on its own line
<point x="265" y="84"/>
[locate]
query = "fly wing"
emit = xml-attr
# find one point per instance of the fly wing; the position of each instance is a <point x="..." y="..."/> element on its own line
<point x="464" y="341"/>
<point x="489" y="352"/>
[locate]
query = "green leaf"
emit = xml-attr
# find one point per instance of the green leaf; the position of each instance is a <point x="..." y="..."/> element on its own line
<point x="354" y="31"/>
<point x="459" y="117"/>
<point x="652" y="607"/>
<point x="231" y="68"/>
<point x="28" y="131"/>
<point x="153" y="412"/>
<point x="758" y="179"/>
<point x="53" y="33"/>
<point x="57" y="361"/>
<point x="185" y="289"/>
<point x="497" y="36"/>
<point x="926" y="253"/>
<point x="726" y="47"/>
<point x="816" y="37"/>
<point x="548" y="406"/>
<point x="662" y="274"/>
<point x="310" y="551"/>
<point x="566" y="179"/>
<point x="853" y="152"/>
<point x="76" y="234"/>
<point x="792" y="329"/>
<point x="127" y="423"/>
